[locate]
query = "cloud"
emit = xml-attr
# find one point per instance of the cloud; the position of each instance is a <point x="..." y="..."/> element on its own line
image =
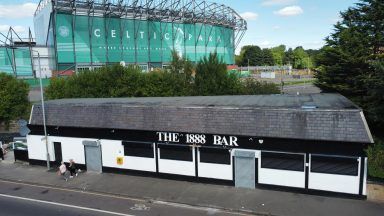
<point x="289" y="11"/>
<point x="277" y="2"/>
<point x="18" y="29"/>
<point x="265" y="44"/>
<point x="276" y="27"/>
<point x="249" y="16"/>
<point x="17" y="11"/>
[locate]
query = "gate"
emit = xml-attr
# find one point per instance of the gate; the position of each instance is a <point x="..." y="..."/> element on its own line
<point x="92" y="150"/>
<point x="245" y="170"/>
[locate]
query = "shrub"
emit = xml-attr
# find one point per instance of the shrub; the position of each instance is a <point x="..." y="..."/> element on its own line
<point x="375" y="155"/>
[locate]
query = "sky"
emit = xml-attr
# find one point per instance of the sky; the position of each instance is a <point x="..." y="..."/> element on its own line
<point x="270" y="22"/>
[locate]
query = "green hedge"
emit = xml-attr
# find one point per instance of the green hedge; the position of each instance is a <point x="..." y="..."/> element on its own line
<point x="375" y="155"/>
<point x="211" y="78"/>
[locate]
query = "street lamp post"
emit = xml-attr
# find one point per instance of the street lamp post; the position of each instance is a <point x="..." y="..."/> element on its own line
<point x="43" y="108"/>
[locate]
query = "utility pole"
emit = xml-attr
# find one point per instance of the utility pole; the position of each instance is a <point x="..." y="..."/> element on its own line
<point x="281" y="82"/>
<point x="43" y="107"/>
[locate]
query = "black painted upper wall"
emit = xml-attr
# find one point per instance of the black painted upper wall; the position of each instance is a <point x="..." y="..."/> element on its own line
<point x="335" y="118"/>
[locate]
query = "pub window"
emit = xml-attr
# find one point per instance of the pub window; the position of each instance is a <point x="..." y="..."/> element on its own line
<point x="335" y="165"/>
<point x="138" y="149"/>
<point x="282" y="161"/>
<point x="215" y="155"/>
<point x="173" y="152"/>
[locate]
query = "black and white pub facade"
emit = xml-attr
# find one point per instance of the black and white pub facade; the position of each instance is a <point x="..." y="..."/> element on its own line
<point x="309" y="142"/>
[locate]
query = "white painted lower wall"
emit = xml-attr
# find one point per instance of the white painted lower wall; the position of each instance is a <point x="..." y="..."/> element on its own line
<point x="140" y="163"/>
<point x="216" y="171"/>
<point x="71" y="148"/>
<point x="111" y="149"/>
<point x="281" y="177"/>
<point x="177" y="167"/>
<point x="335" y="183"/>
<point x="37" y="148"/>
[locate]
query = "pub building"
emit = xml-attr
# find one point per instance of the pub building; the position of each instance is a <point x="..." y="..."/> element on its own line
<point x="314" y="143"/>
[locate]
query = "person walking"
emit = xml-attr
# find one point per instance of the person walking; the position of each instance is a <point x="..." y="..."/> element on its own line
<point x="1" y="151"/>
<point x="72" y="168"/>
<point x="62" y="171"/>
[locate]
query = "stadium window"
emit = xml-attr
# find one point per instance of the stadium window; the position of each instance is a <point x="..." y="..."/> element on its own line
<point x="173" y="152"/>
<point x="282" y="161"/>
<point x="215" y="155"/>
<point x="334" y="165"/>
<point x="138" y="149"/>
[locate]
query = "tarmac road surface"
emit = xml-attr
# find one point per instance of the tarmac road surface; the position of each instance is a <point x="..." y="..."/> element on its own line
<point x="19" y="199"/>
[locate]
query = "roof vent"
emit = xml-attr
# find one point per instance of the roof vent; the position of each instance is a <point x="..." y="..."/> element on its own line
<point x="309" y="105"/>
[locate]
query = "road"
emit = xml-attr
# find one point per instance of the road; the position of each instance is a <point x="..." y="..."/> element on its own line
<point x="308" y="88"/>
<point x="19" y="199"/>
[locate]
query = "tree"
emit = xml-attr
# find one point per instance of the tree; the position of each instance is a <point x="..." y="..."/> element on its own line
<point x="267" y="58"/>
<point x="278" y="54"/>
<point x="300" y="58"/>
<point x="312" y="53"/>
<point x="14" y="98"/>
<point x="288" y="57"/>
<point x="351" y="62"/>
<point x="212" y="77"/>
<point x="251" y="53"/>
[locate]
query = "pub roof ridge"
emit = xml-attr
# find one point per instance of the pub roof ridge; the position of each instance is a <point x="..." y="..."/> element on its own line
<point x="321" y="101"/>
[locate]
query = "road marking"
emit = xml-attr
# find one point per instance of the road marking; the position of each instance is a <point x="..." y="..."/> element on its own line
<point x="65" y="205"/>
<point x="76" y="191"/>
<point x="140" y="207"/>
<point x="206" y="209"/>
<point x="158" y="202"/>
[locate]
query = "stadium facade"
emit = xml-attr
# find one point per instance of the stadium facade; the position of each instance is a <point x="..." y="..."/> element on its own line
<point x="83" y="34"/>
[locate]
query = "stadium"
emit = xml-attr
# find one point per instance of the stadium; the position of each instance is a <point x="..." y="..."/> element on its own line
<point x="84" y="34"/>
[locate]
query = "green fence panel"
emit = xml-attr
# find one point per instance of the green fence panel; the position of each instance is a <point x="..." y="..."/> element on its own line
<point x="64" y="38"/>
<point x="178" y="35"/>
<point x="190" y="41"/>
<point x="99" y="47"/>
<point x="200" y="41"/>
<point x="23" y="62"/>
<point x="6" y="60"/>
<point x="167" y="41"/>
<point x="141" y="35"/>
<point x="113" y="39"/>
<point x="155" y="42"/>
<point x="210" y="38"/>
<point x="128" y="41"/>
<point x="82" y="44"/>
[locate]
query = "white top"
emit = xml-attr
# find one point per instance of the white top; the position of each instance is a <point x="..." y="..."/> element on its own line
<point x="63" y="168"/>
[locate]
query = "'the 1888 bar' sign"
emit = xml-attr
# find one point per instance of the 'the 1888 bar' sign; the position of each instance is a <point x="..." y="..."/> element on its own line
<point x="198" y="139"/>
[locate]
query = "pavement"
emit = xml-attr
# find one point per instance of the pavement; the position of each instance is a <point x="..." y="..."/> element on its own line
<point x="252" y="201"/>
